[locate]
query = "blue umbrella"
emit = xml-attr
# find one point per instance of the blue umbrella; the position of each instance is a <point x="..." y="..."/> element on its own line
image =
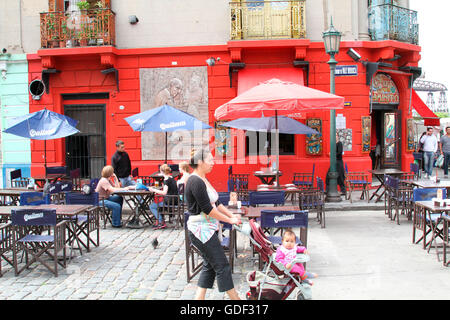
<point x="285" y="125"/>
<point x="165" y="119"/>
<point x="42" y="125"/>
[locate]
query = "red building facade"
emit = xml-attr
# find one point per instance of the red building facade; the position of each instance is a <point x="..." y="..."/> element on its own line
<point x="107" y="79"/>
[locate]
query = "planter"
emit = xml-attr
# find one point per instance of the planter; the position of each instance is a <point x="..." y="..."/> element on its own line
<point x="54" y="43"/>
<point x="62" y="44"/>
<point x="83" y="42"/>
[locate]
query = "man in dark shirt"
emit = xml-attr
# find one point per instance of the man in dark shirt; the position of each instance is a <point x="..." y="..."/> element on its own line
<point x="122" y="165"/>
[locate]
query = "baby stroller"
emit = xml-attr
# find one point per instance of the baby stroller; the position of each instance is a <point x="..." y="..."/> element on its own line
<point x="275" y="282"/>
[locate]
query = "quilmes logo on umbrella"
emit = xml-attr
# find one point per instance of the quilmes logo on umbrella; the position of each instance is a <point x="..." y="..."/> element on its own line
<point x="39" y="133"/>
<point x="140" y="122"/>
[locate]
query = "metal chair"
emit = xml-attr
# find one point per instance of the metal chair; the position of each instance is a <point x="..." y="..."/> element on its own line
<point x="34" y="198"/>
<point x="24" y="224"/>
<point x="421" y="221"/>
<point x="304" y="180"/>
<point x="266" y="197"/>
<point x="85" y="224"/>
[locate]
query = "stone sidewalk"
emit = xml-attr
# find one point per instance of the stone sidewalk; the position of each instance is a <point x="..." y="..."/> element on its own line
<point x="359" y="255"/>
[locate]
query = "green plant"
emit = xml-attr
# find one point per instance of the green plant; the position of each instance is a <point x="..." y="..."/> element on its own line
<point x="83" y="5"/>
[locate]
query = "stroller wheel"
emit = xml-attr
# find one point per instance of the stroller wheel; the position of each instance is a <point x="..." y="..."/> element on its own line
<point x="300" y="296"/>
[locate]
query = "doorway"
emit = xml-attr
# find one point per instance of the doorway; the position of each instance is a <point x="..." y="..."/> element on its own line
<point x="87" y="149"/>
<point x="386" y="120"/>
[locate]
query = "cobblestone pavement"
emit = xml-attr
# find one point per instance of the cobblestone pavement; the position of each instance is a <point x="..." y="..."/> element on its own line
<point x="359" y="255"/>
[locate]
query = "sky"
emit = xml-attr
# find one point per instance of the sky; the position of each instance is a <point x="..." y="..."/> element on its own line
<point x="434" y="39"/>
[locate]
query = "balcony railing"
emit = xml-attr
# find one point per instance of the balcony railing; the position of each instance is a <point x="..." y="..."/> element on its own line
<point x="79" y="28"/>
<point x="390" y="22"/>
<point x="268" y="19"/>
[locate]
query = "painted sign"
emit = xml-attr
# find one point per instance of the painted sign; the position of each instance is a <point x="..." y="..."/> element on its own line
<point x="346" y="70"/>
<point x="384" y="90"/>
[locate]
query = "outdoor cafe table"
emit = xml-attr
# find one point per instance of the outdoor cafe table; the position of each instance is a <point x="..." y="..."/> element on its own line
<point x="426" y="184"/>
<point x="63" y="211"/>
<point x="52" y="177"/>
<point x="138" y="201"/>
<point x="290" y="190"/>
<point x="267" y="177"/>
<point x="255" y="213"/>
<point x="427" y="208"/>
<point x="14" y="194"/>
<point x="379" y="174"/>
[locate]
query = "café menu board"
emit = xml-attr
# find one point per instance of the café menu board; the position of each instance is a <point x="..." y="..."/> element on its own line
<point x="384" y="90"/>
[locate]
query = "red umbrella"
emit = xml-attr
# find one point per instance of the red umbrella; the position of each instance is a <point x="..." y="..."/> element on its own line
<point x="275" y="97"/>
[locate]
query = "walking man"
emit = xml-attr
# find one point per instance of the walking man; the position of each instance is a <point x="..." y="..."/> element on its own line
<point x="122" y="165"/>
<point x="430" y="146"/>
<point x="445" y="150"/>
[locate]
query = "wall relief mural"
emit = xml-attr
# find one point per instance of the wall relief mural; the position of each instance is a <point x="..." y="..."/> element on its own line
<point x="185" y="89"/>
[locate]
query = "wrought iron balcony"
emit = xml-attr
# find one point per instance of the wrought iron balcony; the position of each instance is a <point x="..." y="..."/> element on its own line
<point x="79" y="28"/>
<point x="268" y="20"/>
<point x="390" y="22"/>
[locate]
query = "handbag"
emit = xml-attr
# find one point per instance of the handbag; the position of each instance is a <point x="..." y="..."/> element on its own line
<point x="440" y="161"/>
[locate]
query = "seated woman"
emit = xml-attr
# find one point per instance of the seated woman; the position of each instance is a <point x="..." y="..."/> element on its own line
<point x="184" y="169"/>
<point x="107" y="185"/>
<point x="170" y="188"/>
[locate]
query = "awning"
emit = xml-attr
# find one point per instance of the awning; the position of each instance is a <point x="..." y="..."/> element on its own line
<point x="430" y="119"/>
<point x="248" y="78"/>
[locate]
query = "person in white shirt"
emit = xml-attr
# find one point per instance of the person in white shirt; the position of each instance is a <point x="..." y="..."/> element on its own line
<point x="430" y="146"/>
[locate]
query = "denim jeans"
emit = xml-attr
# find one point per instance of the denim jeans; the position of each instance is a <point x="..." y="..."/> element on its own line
<point x="446" y="162"/>
<point x="127" y="181"/>
<point x="428" y="159"/>
<point x="114" y="203"/>
<point x="154" y="210"/>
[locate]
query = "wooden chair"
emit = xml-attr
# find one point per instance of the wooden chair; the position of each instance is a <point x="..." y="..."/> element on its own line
<point x="238" y="182"/>
<point x="5" y="244"/>
<point x="356" y="181"/>
<point x="257" y="198"/>
<point x="313" y="200"/>
<point x="399" y="198"/>
<point x="415" y="170"/>
<point x="75" y="176"/>
<point x="17" y="181"/>
<point x="173" y="208"/>
<point x="304" y="180"/>
<point x="35" y="245"/>
<point x="229" y="242"/>
<point x="56" y="170"/>
<point x="34" y="198"/>
<point x="87" y="224"/>
<point x="194" y="259"/>
<point x="421" y="220"/>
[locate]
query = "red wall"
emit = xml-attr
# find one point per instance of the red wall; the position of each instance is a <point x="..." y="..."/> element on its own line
<point x="80" y="73"/>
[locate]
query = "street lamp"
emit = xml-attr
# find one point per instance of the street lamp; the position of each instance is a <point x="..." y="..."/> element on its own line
<point x="332" y="39"/>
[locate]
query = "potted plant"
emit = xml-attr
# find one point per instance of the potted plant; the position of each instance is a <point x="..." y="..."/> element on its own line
<point x="64" y="34"/>
<point x="52" y="37"/>
<point x="83" y="6"/>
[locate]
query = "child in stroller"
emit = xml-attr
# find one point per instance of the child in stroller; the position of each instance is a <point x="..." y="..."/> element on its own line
<point x="287" y="252"/>
<point x="275" y="282"/>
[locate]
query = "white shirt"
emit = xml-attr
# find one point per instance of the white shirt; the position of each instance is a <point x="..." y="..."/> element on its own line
<point x="430" y="143"/>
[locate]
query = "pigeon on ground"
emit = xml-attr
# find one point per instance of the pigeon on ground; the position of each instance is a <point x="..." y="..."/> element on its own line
<point x="155" y="243"/>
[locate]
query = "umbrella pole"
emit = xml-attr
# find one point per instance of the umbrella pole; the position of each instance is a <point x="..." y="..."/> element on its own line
<point x="45" y="158"/>
<point x="278" y="147"/>
<point x="165" y="159"/>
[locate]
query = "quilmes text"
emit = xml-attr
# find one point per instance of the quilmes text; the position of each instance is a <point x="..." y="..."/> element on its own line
<point x="33" y="216"/>
<point x="285" y="217"/>
<point x="35" y="133"/>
